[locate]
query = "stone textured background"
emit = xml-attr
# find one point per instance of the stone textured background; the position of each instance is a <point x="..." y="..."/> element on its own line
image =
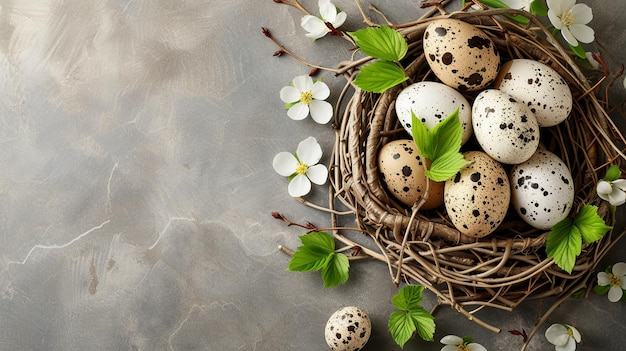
<point x="136" y="138"/>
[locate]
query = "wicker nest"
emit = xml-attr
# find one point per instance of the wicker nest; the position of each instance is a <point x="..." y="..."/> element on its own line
<point x="509" y="266"/>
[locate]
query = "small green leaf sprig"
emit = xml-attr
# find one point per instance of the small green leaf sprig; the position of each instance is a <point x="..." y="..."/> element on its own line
<point x="564" y="242"/>
<point x="318" y="253"/>
<point x="389" y="47"/>
<point x="410" y="316"/>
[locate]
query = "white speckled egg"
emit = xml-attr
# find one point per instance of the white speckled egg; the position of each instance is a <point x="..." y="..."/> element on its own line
<point x="348" y="329"/>
<point x="460" y="55"/>
<point x="477" y="197"/>
<point x="402" y="172"/>
<point x="542" y="189"/>
<point x="504" y="127"/>
<point x="432" y="102"/>
<point x="540" y="87"/>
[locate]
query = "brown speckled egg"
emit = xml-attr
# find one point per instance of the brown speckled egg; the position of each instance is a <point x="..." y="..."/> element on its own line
<point x="402" y="172"/>
<point x="348" y="329"/>
<point x="543" y="189"/>
<point x="504" y="126"/>
<point x="460" y="55"/>
<point x="477" y="197"/>
<point x="539" y="86"/>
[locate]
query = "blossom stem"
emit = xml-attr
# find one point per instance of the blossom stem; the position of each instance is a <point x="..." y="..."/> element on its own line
<point x="284" y="50"/>
<point x="294" y="3"/>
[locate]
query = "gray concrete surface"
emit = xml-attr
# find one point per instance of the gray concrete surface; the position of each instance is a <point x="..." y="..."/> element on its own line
<point x="136" y="138"/>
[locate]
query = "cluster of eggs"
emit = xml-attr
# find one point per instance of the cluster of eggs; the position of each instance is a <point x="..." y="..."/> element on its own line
<point x="512" y="103"/>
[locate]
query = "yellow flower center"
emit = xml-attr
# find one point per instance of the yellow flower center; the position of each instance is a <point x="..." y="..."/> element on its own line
<point x="615" y="280"/>
<point x="306" y="97"/>
<point x="301" y="169"/>
<point x="567" y="19"/>
<point x="463" y="347"/>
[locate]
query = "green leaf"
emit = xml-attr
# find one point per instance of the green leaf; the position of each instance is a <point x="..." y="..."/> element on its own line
<point x="447" y="135"/>
<point x="602" y="290"/>
<point x="379" y="76"/>
<point x="381" y="42"/>
<point x="313" y="254"/>
<point x="538" y="8"/>
<point x="424" y="323"/>
<point x="592" y="227"/>
<point x="401" y="326"/>
<point x="408" y="298"/>
<point x="445" y="166"/>
<point x="563" y="244"/>
<point x="422" y="137"/>
<point x="613" y="173"/>
<point x="495" y="3"/>
<point x="335" y="272"/>
<point x="578" y="50"/>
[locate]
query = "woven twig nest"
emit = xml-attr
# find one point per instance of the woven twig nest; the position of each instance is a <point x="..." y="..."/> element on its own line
<point x="510" y="265"/>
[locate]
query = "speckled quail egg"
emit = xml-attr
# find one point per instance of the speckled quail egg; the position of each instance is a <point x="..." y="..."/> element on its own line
<point x="477" y="197"/>
<point x="402" y="172"/>
<point x="542" y="189"/>
<point x="504" y="127"/>
<point x="432" y="102"/>
<point x="348" y="329"/>
<point x="539" y="86"/>
<point x="460" y="55"/>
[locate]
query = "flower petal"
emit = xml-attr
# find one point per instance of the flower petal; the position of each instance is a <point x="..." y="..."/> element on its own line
<point x="619" y="269"/>
<point x="569" y="37"/>
<point x="451" y="340"/>
<point x="615" y="293"/>
<point x="298" y="111"/>
<point x="321" y="111"/>
<point x="449" y="348"/>
<point x="582" y="32"/>
<point x="300" y="185"/>
<point x="320" y="91"/>
<point x="303" y="83"/>
<point x="309" y="151"/>
<point x="514" y="4"/>
<point x="340" y="19"/>
<point x="617" y="197"/>
<point x="315" y="27"/>
<point x="593" y="62"/>
<point x="289" y="94"/>
<point x="317" y="174"/>
<point x="620" y="184"/>
<point x="604" y="188"/>
<point x="582" y="14"/>
<point x="570" y="345"/>
<point x="575" y="333"/>
<point x="476" y="347"/>
<point x="554" y="19"/>
<point x="328" y="11"/>
<point x="555" y="5"/>
<point x="285" y="163"/>
<point x="603" y="279"/>
<point x="557" y="335"/>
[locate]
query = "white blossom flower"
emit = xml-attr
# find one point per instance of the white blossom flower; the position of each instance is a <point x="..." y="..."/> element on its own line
<point x="316" y="26"/>
<point x="612" y="191"/>
<point x="302" y="167"/>
<point x="595" y="64"/>
<point x="455" y="343"/>
<point x="304" y="97"/>
<point x="519" y="4"/>
<point x="616" y="279"/>
<point x="624" y="81"/>
<point x="571" y="19"/>
<point x="564" y="337"/>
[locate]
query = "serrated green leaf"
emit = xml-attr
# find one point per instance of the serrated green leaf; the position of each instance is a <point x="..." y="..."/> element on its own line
<point x="446" y="166"/>
<point x="408" y="298"/>
<point x="447" y="135"/>
<point x="613" y="173"/>
<point x="401" y="326"/>
<point x="422" y="137"/>
<point x="424" y="323"/>
<point x="379" y="76"/>
<point x="336" y="271"/>
<point x="538" y="8"/>
<point x="578" y="50"/>
<point x="313" y="254"/>
<point x="591" y="226"/>
<point x="563" y="244"/>
<point x="382" y="42"/>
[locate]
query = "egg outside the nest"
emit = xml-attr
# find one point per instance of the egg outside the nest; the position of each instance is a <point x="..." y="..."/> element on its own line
<point x="348" y="329"/>
<point x="543" y="189"/>
<point x="403" y="174"/>
<point x="460" y="55"/>
<point x="477" y="198"/>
